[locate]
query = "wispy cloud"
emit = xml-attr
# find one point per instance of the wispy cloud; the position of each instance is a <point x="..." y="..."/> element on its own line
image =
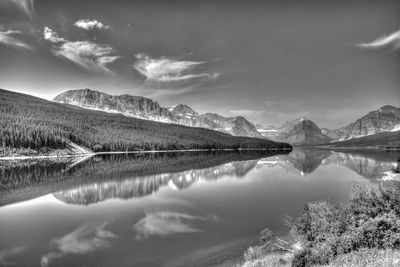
<point x="392" y="39"/>
<point x="168" y="69"/>
<point x="81" y="241"/>
<point x="25" y="6"/>
<point x="248" y="112"/>
<point x="8" y="38"/>
<point x="88" y="55"/>
<point x="88" y="24"/>
<point x="165" y="223"/>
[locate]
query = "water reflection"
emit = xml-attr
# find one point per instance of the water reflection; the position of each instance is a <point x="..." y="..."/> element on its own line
<point x="165" y="223"/>
<point x="165" y="209"/>
<point x="86" y="181"/>
<point x="118" y="175"/>
<point x="83" y="240"/>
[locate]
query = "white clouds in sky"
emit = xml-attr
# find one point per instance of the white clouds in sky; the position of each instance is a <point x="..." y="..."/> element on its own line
<point x="52" y="36"/>
<point x="392" y="39"/>
<point x="88" y="24"/>
<point x="168" y="69"/>
<point x="81" y="241"/>
<point x="8" y="38"/>
<point x="165" y="223"/>
<point x="86" y="54"/>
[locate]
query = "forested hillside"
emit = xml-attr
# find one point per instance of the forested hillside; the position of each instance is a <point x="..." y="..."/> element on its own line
<point x="384" y="140"/>
<point x="27" y="122"/>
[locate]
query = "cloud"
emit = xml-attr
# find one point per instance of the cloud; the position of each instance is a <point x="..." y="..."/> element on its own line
<point x="392" y="39"/>
<point x="166" y="69"/>
<point x="164" y="223"/>
<point x="8" y="253"/>
<point x="88" y="55"/>
<point x="8" y="38"/>
<point x="52" y="36"/>
<point x="88" y="24"/>
<point x="25" y="6"/>
<point x="81" y="241"/>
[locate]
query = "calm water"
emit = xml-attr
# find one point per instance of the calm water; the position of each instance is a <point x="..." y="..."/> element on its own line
<point x="165" y="209"/>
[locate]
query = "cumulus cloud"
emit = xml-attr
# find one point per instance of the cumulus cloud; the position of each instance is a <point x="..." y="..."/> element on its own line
<point x="8" y="38"/>
<point x="81" y="241"/>
<point x="164" y="223"/>
<point x="392" y="39"/>
<point x="25" y="6"/>
<point x="166" y="69"/>
<point x="52" y="36"/>
<point x="88" y="24"/>
<point x="88" y="55"/>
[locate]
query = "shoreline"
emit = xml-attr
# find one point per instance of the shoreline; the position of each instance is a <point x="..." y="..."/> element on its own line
<point x="132" y="152"/>
<point x="355" y="148"/>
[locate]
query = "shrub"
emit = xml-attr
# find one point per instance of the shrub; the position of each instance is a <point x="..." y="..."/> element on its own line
<point x="326" y="231"/>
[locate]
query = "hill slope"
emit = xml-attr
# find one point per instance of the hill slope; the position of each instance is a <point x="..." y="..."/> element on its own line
<point x="385" y="140"/>
<point x="37" y="124"/>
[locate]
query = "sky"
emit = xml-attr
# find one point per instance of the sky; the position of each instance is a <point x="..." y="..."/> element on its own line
<point x="269" y="61"/>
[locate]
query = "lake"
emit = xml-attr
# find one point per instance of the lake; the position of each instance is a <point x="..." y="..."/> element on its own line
<point x="166" y="209"/>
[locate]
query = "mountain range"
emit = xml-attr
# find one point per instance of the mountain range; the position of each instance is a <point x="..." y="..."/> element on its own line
<point x="34" y="126"/>
<point x="145" y="108"/>
<point x="300" y="131"/>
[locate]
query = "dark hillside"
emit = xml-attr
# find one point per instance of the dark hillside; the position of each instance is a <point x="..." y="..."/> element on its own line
<point x="33" y="123"/>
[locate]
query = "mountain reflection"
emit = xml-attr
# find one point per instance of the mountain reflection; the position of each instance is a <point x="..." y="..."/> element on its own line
<point x="129" y="175"/>
<point x="84" y="181"/>
<point x="369" y="164"/>
<point x="304" y="160"/>
<point x="147" y="185"/>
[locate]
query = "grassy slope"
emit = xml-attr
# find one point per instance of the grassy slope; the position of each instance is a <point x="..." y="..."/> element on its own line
<point x="385" y="140"/>
<point x="34" y="123"/>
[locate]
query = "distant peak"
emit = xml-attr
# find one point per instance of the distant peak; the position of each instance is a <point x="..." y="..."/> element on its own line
<point x="182" y="108"/>
<point x="303" y="119"/>
<point x="388" y="108"/>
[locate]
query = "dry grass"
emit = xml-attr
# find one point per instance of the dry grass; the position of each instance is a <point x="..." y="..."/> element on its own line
<point x="257" y="257"/>
<point x="368" y="257"/>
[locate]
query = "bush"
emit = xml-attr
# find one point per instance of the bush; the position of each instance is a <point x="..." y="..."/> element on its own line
<point x="326" y="231"/>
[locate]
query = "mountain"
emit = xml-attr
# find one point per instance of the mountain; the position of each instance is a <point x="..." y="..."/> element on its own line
<point x="385" y="140"/>
<point x="304" y="132"/>
<point x="385" y="119"/>
<point x="33" y="124"/>
<point x="301" y="131"/>
<point x="145" y="108"/>
<point x="296" y="132"/>
<point x="133" y="106"/>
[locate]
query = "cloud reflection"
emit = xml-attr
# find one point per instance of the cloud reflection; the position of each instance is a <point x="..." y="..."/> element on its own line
<point x="8" y="253"/>
<point x="83" y="240"/>
<point x="165" y="223"/>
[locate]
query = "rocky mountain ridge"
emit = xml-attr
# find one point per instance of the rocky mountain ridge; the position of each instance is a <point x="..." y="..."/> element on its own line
<point x="301" y="131"/>
<point x="145" y="108"/>
<point x="296" y="132"/>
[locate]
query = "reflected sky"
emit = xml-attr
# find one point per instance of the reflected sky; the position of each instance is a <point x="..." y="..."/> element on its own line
<point x="187" y="216"/>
